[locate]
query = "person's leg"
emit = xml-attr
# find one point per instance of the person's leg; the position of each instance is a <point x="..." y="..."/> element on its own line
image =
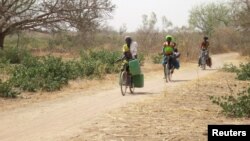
<point x="164" y="62"/>
<point x="210" y="59"/>
<point x="164" y="70"/>
<point x="173" y="64"/>
<point x="128" y="75"/>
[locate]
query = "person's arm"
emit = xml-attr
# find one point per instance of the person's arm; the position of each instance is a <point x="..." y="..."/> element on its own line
<point x="162" y="53"/>
<point x="177" y="53"/>
<point x="120" y="59"/>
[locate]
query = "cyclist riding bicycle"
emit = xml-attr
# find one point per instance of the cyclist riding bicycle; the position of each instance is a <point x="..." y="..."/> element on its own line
<point x="205" y="47"/>
<point x="170" y="49"/>
<point x="129" y="52"/>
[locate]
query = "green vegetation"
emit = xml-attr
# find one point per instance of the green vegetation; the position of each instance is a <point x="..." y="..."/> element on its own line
<point x="50" y="73"/>
<point x="236" y="106"/>
<point x="156" y="59"/>
<point x="6" y="90"/>
<point x="230" y="68"/>
<point x="244" y="72"/>
<point x="13" y="55"/>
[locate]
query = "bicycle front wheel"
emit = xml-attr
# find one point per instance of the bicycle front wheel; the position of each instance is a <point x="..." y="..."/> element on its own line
<point x="123" y="82"/>
<point x="167" y="73"/>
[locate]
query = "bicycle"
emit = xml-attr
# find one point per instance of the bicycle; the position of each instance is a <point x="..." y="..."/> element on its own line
<point x="125" y="79"/>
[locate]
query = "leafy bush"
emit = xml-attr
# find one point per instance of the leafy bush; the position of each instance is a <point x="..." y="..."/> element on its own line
<point x="157" y="58"/>
<point x="6" y="90"/>
<point x="13" y="54"/>
<point x="141" y="58"/>
<point x="101" y="58"/>
<point x="234" y="106"/>
<point x="49" y="73"/>
<point x="244" y="72"/>
<point x="230" y="68"/>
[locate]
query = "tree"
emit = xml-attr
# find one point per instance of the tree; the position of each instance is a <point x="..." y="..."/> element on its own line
<point x="210" y="16"/>
<point x="242" y="13"/>
<point x="166" y="23"/>
<point x="147" y="32"/>
<point x="51" y="15"/>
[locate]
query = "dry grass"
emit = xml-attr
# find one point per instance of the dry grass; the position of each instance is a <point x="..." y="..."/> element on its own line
<point x="180" y="114"/>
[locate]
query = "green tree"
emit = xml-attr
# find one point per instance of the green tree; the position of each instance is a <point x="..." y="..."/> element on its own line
<point x="208" y="17"/>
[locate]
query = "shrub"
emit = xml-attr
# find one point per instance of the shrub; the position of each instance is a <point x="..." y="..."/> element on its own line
<point x="96" y="59"/>
<point x="141" y="58"/>
<point x="6" y="90"/>
<point x="244" y="72"/>
<point x="234" y="106"/>
<point x="13" y="54"/>
<point x="230" y="68"/>
<point x="49" y="73"/>
<point x="156" y="59"/>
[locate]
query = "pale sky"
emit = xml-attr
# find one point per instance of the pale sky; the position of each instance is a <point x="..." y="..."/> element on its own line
<point x="129" y="12"/>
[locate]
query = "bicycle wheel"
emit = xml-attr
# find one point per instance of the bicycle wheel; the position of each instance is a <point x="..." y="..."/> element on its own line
<point x="123" y="82"/>
<point x="131" y="86"/>
<point x="203" y="63"/>
<point x="168" y="73"/>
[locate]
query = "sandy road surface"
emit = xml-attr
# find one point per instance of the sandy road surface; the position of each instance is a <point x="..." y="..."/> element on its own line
<point x="63" y="118"/>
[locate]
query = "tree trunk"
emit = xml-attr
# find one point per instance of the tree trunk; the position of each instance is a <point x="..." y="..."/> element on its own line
<point x="2" y="36"/>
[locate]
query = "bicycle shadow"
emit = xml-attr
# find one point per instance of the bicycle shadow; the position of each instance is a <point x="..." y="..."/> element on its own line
<point x="142" y="93"/>
<point x="210" y="69"/>
<point x="176" y="81"/>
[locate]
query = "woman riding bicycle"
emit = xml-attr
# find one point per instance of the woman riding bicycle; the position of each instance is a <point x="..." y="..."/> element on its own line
<point x="129" y="52"/>
<point x="169" y="49"/>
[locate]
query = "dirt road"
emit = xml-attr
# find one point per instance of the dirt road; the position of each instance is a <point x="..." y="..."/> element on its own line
<point x="63" y="118"/>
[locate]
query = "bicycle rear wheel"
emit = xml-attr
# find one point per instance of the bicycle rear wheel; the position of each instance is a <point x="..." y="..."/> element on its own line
<point x="132" y="88"/>
<point x="203" y="63"/>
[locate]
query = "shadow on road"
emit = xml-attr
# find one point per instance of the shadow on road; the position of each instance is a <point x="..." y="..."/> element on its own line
<point x="210" y="69"/>
<point x="142" y="93"/>
<point x="175" y="81"/>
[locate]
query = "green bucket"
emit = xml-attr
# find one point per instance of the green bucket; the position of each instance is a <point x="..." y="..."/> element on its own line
<point x="138" y="80"/>
<point x="134" y="67"/>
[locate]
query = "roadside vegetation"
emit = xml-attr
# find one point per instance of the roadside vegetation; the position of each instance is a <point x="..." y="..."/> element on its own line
<point x="49" y="73"/>
<point x="236" y="105"/>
